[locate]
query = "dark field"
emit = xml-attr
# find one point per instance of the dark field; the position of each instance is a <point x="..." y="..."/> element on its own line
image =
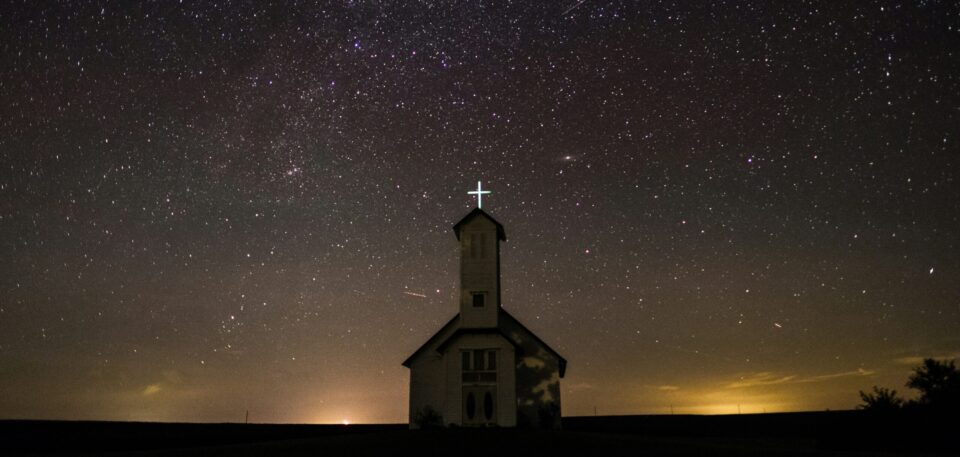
<point x="822" y="433"/>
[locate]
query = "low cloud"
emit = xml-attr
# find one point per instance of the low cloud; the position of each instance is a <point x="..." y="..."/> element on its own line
<point x="171" y="378"/>
<point x="845" y="374"/>
<point x="768" y="378"/>
<point x="668" y="388"/>
<point x="918" y="360"/>
<point x="760" y="379"/>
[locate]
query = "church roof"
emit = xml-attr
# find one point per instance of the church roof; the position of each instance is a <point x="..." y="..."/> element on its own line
<point x="450" y="332"/>
<point x="442" y="333"/>
<point x="561" y="361"/>
<point x="477" y="212"/>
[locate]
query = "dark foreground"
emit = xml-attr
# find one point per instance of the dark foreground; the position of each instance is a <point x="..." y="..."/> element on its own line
<point x="825" y="433"/>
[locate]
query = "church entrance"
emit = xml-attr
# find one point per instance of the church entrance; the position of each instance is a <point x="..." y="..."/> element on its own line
<point x="479" y="371"/>
<point x="479" y="406"/>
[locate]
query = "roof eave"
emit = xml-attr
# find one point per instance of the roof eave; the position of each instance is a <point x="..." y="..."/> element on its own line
<point x="562" y="362"/>
<point x="435" y="336"/>
<point x="501" y="233"/>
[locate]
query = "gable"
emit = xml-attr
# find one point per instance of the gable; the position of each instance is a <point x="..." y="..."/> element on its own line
<point x="461" y="332"/>
<point x="509" y="328"/>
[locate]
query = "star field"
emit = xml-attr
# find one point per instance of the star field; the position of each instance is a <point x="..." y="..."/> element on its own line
<point x="208" y="208"/>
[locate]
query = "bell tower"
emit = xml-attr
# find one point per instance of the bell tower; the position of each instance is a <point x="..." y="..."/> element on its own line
<point x="479" y="235"/>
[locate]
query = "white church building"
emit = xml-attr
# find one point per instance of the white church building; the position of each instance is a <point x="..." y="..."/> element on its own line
<point x="484" y="368"/>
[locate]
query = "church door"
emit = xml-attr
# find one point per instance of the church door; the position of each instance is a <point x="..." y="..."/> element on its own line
<point x="479" y="371"/>
<point x="479" y="405"/>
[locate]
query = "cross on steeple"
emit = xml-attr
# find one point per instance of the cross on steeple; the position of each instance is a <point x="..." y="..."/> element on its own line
<point x="479" y="193"/>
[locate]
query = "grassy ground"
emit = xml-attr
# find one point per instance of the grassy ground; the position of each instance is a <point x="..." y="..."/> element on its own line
<point x="501" y="443"/>
<point x="844" y="433"/>
<point x="495" y="443"/>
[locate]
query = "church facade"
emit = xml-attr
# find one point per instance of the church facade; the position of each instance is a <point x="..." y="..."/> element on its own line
<point x="484" y="368"/>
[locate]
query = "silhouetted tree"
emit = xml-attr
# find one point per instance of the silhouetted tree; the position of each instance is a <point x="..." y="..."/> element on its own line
<point x="428" y="418"/>
<point x="881" y="400"/>
<point x="938" y="383"/>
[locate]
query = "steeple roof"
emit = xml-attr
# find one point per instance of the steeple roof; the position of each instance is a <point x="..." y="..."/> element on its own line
<point x="477" y="212"/>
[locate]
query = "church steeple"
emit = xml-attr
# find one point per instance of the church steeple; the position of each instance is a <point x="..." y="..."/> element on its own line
<point x="484" y="368"/>
<point x="479" y="235"/>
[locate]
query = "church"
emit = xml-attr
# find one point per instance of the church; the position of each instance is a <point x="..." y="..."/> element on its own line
<point x="484" y="368"/>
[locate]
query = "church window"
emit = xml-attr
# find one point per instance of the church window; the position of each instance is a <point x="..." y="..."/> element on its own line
<point x="476" y="245"/>
<point x="467" y="251"/>
<point x="478" y="299"/>
<point x="479" y="365"/>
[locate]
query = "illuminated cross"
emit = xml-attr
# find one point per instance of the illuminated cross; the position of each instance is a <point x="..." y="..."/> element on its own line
<point x="479" y="193"/>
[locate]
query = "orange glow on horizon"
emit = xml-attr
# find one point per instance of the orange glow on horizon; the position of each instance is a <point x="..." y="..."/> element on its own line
<point x="731" y="408"/>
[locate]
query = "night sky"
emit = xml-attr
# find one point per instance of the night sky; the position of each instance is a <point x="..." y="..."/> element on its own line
<point x="213" y="208"/>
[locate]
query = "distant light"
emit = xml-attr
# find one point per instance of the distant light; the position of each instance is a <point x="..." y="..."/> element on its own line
<point x="931" y="270"/>
<point x="346" y="422"/>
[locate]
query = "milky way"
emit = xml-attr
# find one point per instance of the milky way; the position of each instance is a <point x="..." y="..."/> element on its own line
<point x="208" y="209"/>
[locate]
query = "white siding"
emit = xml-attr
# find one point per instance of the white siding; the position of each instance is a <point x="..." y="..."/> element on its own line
<point x="427" y="375"/>
<point x="479" y="273"/>
<point x="427" y="378"/>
